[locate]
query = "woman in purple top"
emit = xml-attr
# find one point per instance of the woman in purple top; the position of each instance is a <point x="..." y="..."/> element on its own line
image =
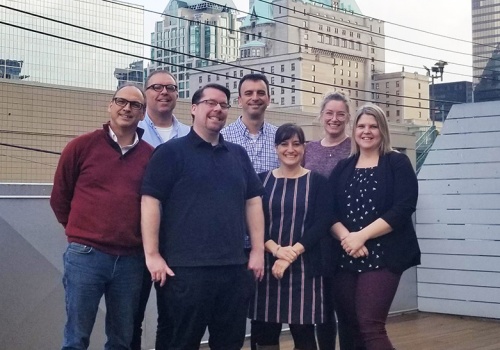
<point x="321" y="157"/>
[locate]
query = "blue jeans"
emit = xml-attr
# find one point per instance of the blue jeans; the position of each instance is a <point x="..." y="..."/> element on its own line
<point x="88" y="275"/>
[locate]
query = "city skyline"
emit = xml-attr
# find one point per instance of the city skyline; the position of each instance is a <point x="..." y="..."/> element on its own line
<point x="64" y="45"/>
<point x="396" y="12"/>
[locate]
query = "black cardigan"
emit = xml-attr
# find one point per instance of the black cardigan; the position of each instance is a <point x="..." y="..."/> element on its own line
<point x="396" y="199"/>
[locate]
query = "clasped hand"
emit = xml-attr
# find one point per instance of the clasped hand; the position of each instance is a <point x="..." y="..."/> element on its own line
<point x="279" y="268"/>
<point x="286" y="253"/>
<point x="354" y="245"/>
<point x="285" y="256"/>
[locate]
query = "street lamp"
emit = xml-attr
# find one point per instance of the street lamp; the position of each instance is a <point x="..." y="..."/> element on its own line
<point x="436" y="71"/>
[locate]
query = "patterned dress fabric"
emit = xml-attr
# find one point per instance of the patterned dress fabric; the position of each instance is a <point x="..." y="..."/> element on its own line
<point x="359" y="197"/>
<point x="297" y="298"/>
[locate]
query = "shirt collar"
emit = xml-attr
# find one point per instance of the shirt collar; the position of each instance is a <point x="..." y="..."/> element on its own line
<point x="127" y="148"/>
<point x="175" y="122"/>
<point x="197" y="141"/>
<point x="244" y="130"/>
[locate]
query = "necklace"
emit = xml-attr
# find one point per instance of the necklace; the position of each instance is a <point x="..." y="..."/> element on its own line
<point x="324" y="142"/>
<point x="331" y="146"/>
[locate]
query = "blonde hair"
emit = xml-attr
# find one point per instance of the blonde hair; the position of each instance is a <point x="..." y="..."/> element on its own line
<point x="379" y="115"/>
<point x="335" y="96"/>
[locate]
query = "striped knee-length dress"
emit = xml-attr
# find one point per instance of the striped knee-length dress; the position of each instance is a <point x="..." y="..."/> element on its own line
<point x="298" y="297"/>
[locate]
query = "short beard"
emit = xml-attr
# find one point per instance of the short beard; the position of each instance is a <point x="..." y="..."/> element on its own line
<point x="252" y="116"/>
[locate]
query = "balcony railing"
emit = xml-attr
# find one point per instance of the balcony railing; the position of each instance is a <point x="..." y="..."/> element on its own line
<point x="424" y="144"/>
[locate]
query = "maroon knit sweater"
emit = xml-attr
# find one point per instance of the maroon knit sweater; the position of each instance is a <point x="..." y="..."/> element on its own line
<point x="96" y="193"/>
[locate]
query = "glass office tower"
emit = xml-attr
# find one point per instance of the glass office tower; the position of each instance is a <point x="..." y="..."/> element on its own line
<point x="486" y="49"/>
<point x="63" y="54"/>
<point x="205" y="31"/>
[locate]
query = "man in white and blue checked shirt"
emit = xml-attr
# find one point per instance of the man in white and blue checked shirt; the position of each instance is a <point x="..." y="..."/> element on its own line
<point x="250" y="130"/>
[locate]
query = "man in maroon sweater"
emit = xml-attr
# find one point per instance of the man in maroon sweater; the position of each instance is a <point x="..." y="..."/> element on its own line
<point x="96" y="197"/>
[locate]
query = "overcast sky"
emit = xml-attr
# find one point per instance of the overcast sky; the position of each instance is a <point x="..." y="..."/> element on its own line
<point x="446" y="18"/>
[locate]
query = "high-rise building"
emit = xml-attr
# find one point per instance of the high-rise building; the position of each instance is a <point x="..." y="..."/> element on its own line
<point x="11" y="69"/>
<point x="64" y="54"/>
<point x="134" y="73"/>
<point x="486" y="49"/>
<point x="191" y="34"/>
<point x="403" y="96"/>
<point x="448" y="94"/>
<point x="306" y="48"/>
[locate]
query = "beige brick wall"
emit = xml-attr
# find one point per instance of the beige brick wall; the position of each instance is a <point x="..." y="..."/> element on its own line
<point x="44" y="118"/>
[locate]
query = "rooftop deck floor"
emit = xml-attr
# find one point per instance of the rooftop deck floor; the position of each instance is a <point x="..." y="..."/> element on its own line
<point x="427" y="331"/>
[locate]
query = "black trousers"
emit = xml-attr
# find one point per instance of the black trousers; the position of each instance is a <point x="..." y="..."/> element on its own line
<point x="200" y="297"/>
<point x="139" y="318"/>
<point x="267" y="333"/>
<point x="327" y="332"/>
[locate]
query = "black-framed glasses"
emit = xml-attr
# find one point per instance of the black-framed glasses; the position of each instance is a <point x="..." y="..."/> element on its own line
<point x="160" y="87"/>
<point x="123" y="102"/>
<point x="213" y="104"/>
<point x="341" y="116"/>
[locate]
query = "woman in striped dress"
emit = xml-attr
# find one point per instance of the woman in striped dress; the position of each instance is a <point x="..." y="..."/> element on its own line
<point x="297" y="211"/>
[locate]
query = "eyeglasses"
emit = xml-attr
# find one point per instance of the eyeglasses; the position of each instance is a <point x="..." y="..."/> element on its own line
<point x="160" y="87"/>
<point x="123" y="102"/>
<point x="213" y="104"/>
<point x="341" y="116"/>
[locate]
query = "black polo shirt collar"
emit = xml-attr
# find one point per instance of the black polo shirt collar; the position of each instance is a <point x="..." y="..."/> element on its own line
<point x="197" y="141"/>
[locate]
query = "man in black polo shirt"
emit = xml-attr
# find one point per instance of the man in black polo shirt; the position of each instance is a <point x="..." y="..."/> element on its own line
<point x="207" y="191"/>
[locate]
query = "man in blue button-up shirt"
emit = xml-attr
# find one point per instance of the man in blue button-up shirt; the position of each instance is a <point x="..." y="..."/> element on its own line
<point x="160" y="124"/>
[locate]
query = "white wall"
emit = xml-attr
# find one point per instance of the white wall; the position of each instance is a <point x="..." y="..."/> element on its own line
<point x="458" y="215"/>
<point x="32" y="308"/>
